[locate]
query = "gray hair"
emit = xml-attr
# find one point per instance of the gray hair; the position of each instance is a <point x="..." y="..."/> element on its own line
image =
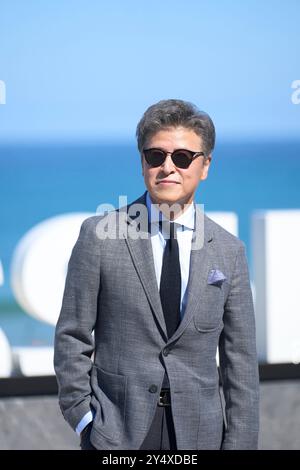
<point x="174" y="113"/>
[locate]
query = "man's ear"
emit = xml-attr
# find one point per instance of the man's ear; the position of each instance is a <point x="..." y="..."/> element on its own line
<point x="206" y="165"/>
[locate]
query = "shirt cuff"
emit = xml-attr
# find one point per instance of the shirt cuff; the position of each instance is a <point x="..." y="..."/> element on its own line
<point x="88" y="417"/>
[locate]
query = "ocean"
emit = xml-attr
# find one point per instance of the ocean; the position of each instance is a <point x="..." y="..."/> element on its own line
<point x="41" y="181"/>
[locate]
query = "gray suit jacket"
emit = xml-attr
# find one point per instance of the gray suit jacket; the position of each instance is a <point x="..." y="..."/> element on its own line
<point x="111" y="288"/>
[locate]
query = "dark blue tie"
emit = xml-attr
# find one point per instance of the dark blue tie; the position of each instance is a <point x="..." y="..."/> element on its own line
<point x="170" y="282"/>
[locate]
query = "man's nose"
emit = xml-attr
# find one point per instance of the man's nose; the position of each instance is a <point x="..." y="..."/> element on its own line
<point x="168" y="164"/>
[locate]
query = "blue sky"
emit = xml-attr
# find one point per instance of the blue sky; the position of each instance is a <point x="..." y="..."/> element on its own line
<point x="87" y="70"/>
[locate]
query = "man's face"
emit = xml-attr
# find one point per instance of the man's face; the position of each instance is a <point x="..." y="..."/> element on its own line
<point x="167" y="183"/>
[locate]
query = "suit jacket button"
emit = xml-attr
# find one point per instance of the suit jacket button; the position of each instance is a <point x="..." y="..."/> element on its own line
<point x="153" y="388"/>
<point x="166" y="351"/>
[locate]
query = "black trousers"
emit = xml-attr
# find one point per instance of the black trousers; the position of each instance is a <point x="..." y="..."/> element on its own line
<point x="161" y="435"/>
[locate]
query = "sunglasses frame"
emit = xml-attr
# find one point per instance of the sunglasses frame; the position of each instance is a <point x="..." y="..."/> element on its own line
<point x="192" y="154"/>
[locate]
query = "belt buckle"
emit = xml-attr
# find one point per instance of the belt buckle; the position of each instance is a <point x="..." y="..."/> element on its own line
<point x="163" y="398"/>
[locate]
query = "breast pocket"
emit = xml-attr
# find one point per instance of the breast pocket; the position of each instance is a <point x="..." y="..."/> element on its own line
<point x="209" y="315"/>
<point x="213" y="325"/>
<point x="208" y="326"/>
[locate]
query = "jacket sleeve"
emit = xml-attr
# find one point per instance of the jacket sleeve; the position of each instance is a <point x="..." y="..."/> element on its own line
<point x="238" y="361"/>
<point x="74" y="343"/>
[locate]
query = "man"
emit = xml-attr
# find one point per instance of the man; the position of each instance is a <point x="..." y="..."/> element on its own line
<point x="160" y="300"/>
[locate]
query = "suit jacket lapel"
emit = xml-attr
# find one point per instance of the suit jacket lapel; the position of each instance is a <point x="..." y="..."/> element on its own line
<point x="142" y="257"/>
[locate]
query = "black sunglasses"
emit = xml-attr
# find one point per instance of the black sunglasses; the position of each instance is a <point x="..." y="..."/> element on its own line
<point x="181" y="158"/>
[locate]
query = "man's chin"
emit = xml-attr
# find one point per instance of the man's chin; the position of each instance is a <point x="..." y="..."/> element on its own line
<point x="161" y="199"/>
<point x="169" y="200"/>
<point x="165" y="195"/>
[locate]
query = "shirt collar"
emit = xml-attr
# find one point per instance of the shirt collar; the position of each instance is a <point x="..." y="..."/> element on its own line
<point x="187" y="218"/>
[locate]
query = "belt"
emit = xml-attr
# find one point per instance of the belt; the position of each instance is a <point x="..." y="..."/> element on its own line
<point x="164" y="397"/>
